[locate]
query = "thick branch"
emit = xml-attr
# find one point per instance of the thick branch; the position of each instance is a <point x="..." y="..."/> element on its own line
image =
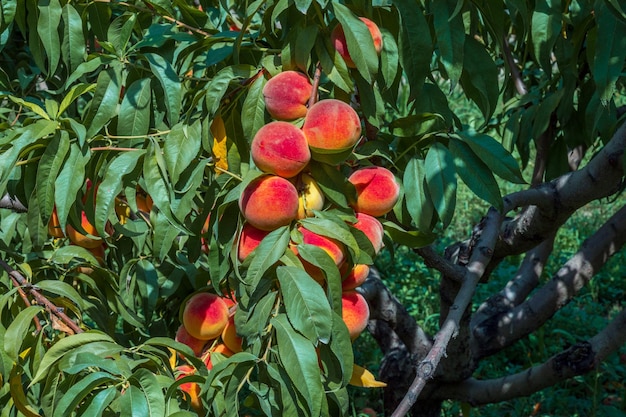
<point x="40" y="298"/>
<point x="12" y="203"/>
<point x="502" y="330"/>
<point x="433" y="260"/>
<point x="576" y="360"/>
<point x="475" y="269"/>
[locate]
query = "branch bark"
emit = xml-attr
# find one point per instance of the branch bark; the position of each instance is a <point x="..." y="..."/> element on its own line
<point x="12" y="203"/>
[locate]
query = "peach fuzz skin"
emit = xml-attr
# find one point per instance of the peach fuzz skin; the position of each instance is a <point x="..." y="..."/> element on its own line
<point x="280" y="148"/>
<point x="355" y="312"/>
<point x="377" y="190"/>
<point x="249" y="239"/>
<point x="183" y="336"/>
<point x="205" y="315"/>
<point x="355" y="277"/>
<point x="191" y="389"/>
<point x="372" y="228"/>
<point x="287" y="94"/>
<point x="331" y="246"/>
<point x="332" y="125"/>
<point x="269" y="202"/>
<point x="229" y="336"/>
<point x="338" y="39"/>
<point x="79" y="238"/>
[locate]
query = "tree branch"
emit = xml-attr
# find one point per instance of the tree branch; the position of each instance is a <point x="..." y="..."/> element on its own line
<point x="474" y="271"/>
<point x="12" y="203"/>
<point x="504" y="329"/>
<point x="576" y="360"/>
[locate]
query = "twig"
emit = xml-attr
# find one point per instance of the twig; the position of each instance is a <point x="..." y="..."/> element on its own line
<point x="41" y="299"/>
<point x="515" y="73"/>
<point x="315" y="84"/>
<point x="474" y="271"/>
<point x="26" y="301"/>
<point x="168" y="18"/>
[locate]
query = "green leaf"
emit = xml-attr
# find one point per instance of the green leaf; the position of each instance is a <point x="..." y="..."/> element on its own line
<point x="475" y="173"/>
<point x="546" y="27"/>
<point x="69" y="181"/>
<point x="73" y="47"/>
<point x="135" y="110"/>
<point x="491" y="152"/>
<point x="65" y="346"/>
<point x="450" y="33"/>
<point x="409" y="238"/>
<point x="441" y="180"/>
<point x="103" y="106"/>
<point x="418" y="201"/>
<point x="359" y="42"/>
<point x="48" y="169"/>
<point x="100" y="402"/>
<point x="610" y="51"/>
<point x="269" y="251"/>
<point x="99" y="18"/>
<point x="48" y="23"/>
<point x="480" y="77"/>
<point x="148" y="284"/>
<point x="63" y="289"/>
<point x="78" y="391"/>
<point x="120" y="30"/>
<point x="155" y="400"/>
<point x="35" y="108"/>
<point x="180" y="148"/>
<point x="218" y="86"/>
<point x="7" y="14"/>
<point x="123" y="164"/>
<point x="306" y="304"/>
<point x="17" y="331"/>
<point x="75" y="92"/>
<point x="133" y="402"/>
<point x="170" y="82"/>
<point x="389" y="58"/>
<point x="300" y="361"/>
<point x="253" y="111"/>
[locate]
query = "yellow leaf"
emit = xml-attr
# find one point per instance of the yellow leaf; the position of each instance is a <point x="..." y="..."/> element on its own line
<point x="172" y="358"/>
<point x="361" y="377"/>
<point x="17" y="393"/>
<point x="220" y="150"/>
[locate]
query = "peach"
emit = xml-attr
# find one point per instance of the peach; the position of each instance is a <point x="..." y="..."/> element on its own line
<point x="54" y="226"/>
<point x="338" y="38"/>
<point x="219" y="348"/>
<point x="355" y="277"/>
<point x="183" y="336"/>
<point x="249" y="239"/>
<point x="269" y="202"/>
<point x="280" y="148"/>
<point x="229" y="336"/>
<point x="372" y="228"/>
<point x="205" y="315"/>
<point x="332" y="128"/>
<point x="79" y="238"/>
<point x="332" y="247"/>
<point x="144" y="202"/>
<point x="191" y="390"/>
<point x="310" y="196"/>
<point x="287" y="94"/>
<point x="377" y="190"/>
<point x="355" y="312"/>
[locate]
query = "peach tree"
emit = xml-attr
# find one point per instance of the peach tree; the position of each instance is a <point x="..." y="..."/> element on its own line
<point x="195" y="193"/>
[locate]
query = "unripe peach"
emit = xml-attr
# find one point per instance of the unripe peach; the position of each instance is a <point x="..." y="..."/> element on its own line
<point x="249" y="239"/>
<point x="355" y="312"/>
<point x="372" y="228"/>
<point x="338" y="38"/>
<point x="355" y="277"/>
<point x="287" y="94"/>
<point x="332" y="128"/>
<point x="229" y="336"/>
<point x="205" y="315"/>
<point x="310" y="195"/>
<point x="280" y="148"/>
<point x="183" y="336"/>
<point x="80" y="239"/>
<point x="377" y="190"/>
<point x="269" y="202"/>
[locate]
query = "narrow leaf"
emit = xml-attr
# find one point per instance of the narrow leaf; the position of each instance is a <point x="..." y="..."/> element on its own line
<point x="441" y="180"/>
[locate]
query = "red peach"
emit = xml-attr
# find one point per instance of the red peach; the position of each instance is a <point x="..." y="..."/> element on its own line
<point x="249" y="239"/>
<point x="219" y="348"/>
<point x="372" y="228"/>
<point x="338" y="38"/>
<point x="183" y="336"/>
<point x="332" y="128"/>
<point x="190" y="389"/>
<point x="280" y="148"/>
<point x="355" y="277"/>
<point x="54" y="225"/>
<point x="230" y="337"/>
<point x="331" y="246"/>
<point x="269" y="202"/>
<point x="377" y="190"/>
<point x="355" y="312"/>
<point x="205" y="315"/>
<point x="79" y="238"/>
<point x="287" y="94"/>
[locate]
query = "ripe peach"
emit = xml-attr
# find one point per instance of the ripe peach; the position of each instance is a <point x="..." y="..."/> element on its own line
<point x="355" y="277"/>
<point x="183" y="336"/>
<point x="287" y="94"/>
<point x="80" y="239"/>
<point x="280" y="148"/>
<point x="191" y="390"/>
<point x="332" y="247"/>
<point x="310" y="195"/>
<point x="372" y="228"/>
<point x="355" y="312"/>
<point x="250" y="238"/>
<point x="205" y="316"/>
<point x="54" y="226"/>
<point x="269" y="202"/>
<point x="377" y="190"/>
<point x="338" y="38"/>
<point x="219" y="348"/>
<point x="144" y="202"/>
<point x="332" y="128"/>
<point x="229" y="336"/>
